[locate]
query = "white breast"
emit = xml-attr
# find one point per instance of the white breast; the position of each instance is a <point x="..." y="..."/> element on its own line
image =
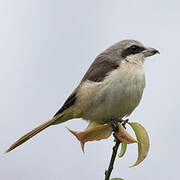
<point x="117" y="96"/>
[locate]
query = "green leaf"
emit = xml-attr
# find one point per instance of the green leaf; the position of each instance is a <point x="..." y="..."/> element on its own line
<point x="117" y="179"/>
<point x="123" y="150"/>
<point x="143" y="142"/>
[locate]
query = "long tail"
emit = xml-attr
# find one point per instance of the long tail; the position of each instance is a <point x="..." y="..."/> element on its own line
<point x="35" y="131"/>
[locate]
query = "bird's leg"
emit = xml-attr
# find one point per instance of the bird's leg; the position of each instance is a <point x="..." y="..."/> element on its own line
<point x="114" y="123"/>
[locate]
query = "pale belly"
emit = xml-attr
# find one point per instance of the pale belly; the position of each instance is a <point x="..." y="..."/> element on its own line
<point x="116" y="97"/>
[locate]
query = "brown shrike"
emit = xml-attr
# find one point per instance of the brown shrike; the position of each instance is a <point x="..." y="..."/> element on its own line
<point x="111" y="88"/>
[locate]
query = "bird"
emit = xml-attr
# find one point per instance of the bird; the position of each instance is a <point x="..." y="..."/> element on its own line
<point x="111" y="88"/>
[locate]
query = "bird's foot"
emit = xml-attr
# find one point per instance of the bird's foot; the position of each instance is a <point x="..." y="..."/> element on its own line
<point x="114" y="123"/>
<point x="124" y="123"/>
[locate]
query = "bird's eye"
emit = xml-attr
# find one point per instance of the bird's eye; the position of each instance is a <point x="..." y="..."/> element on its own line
<point x="134" y="47"/>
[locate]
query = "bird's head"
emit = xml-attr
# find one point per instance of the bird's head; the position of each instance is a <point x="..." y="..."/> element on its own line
<point x="132" y="50"/>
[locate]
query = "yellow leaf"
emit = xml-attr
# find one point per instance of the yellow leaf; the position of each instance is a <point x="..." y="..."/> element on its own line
<point x="92" y="124"/>
<point x="143" y="141"/>
<point x="97" y="133"/>
<point x="124" y="136"/>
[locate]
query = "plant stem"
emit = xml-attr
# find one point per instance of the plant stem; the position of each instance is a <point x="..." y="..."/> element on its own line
<point x="113" y="157"/>
<point x="115" y="148"/>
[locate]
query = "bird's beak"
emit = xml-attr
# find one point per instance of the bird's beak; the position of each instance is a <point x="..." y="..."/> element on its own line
<point x="150" y="52"/>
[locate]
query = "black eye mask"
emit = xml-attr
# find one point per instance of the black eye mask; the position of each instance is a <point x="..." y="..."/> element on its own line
<point x="134" y="49"/>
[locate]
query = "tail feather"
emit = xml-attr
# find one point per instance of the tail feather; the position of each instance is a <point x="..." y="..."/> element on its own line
<point x="33" y="133"/>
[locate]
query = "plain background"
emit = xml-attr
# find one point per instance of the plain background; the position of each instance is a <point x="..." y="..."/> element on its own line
<point x="46" y="47"/>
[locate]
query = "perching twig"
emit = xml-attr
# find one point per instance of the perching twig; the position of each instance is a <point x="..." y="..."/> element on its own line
<point x="114" y="153"/>
<point x="113" y="157"/>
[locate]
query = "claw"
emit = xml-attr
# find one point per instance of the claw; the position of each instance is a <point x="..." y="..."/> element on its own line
<point x="114" y="124"/>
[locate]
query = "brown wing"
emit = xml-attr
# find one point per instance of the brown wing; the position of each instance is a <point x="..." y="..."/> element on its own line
<point x="99" y="69"/>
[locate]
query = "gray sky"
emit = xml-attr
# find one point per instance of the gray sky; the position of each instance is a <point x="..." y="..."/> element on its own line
<point x="41" y="41"/>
